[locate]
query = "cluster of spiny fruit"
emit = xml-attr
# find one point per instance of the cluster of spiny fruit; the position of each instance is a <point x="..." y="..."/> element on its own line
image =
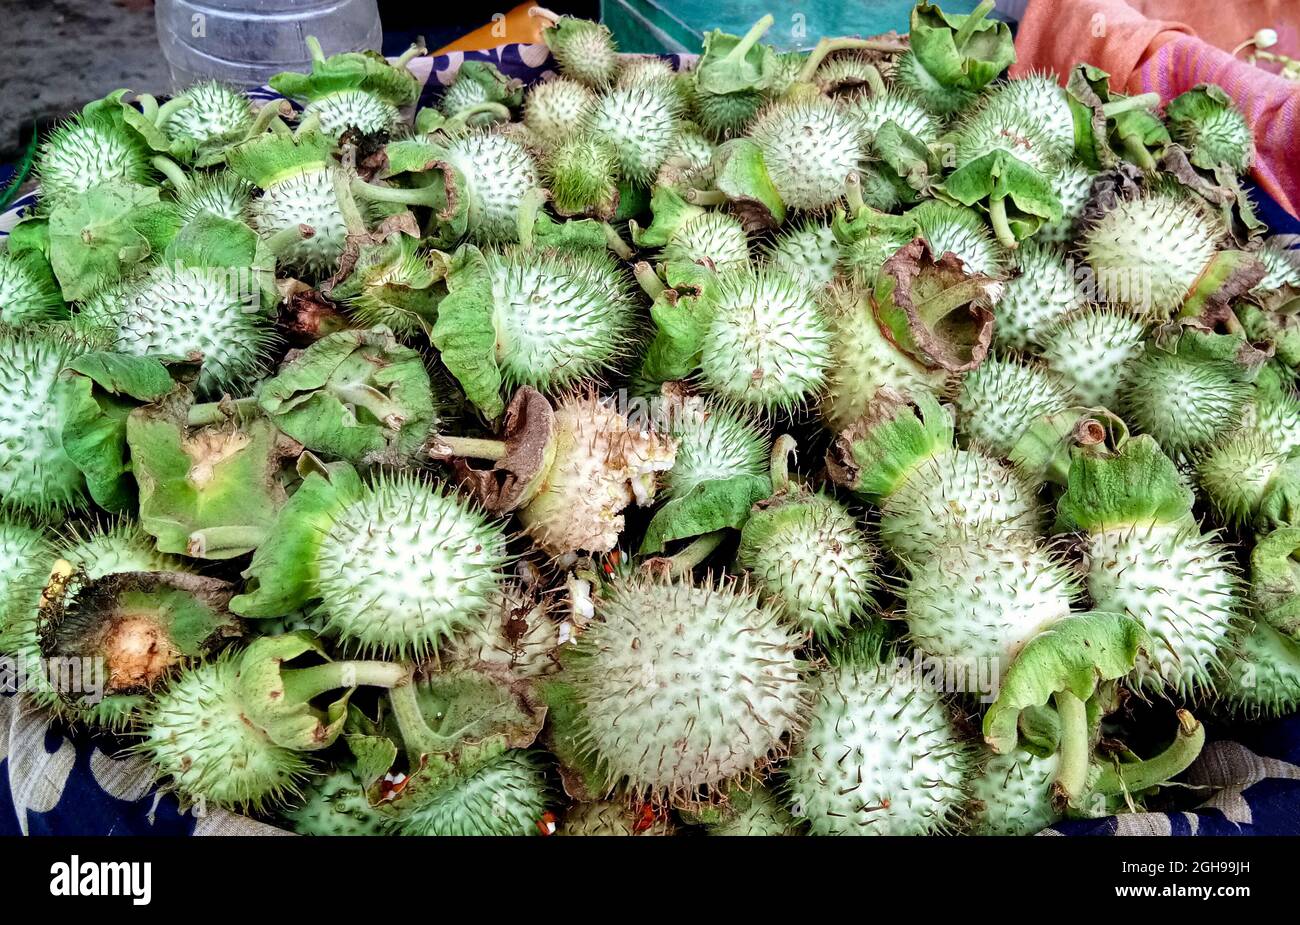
<point x="737" y="448"/>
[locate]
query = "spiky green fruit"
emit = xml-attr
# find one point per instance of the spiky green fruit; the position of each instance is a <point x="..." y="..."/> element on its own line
<point x="1184" y="396"/>
<point x="35" y="472"/>
<point x="1000" y="398"/>
<point x="645" y="69"/>
<point x="881" y="756"/>
<point x="809" y="148"/>
<point x="1145" y="556"/>
<point x="88" y="150"/>
<point x="584" y="50"/>
<point x="555" y="109"/>
<point x="560" y="316"/>
<point x="336" y="804"/>
<point x="407" y="566"/>
<point x="715" y="237"/>
<point x="214" y="116"/>
<point x="977" y="601"/>
<point x="640" y="122"/>
<point x="957" y="230"/>
<point x="1002" y="122"/>
<point x="609" y="818"/>
<point x="808" y="251"/>
<point x="305" y="197"/>
<point x="602" y="462"/>
<point x="769" y="344"/>
<point x="197" y="736"/>
<point x="911" y="75"/>
<point x="121" y="546"/>
<point x="1013" y="794"/>
<point x="392" y="285"/>
<point x="29" y="292"/>
<point x="690" y="162"/>
<point x="1281" y="266"/>
<point x="221" y="194"/>
<point x="1236" y="472"/>
<point x="498" y="172"/>
<point x="212" y="312"/>
<point x="581" y="173"/>
<point x="865" y="360"/>
<point x="1205" y="121"/>
<point x="873" y="110"/>
<point x="928" y="491"/>
<point x="1091" y="352"/>
<point x="1147" y="251"/>
<point x="1277" y="419"/>
<point x="714" y="441"/>
<point x="1043" y="103"/>
<point x="727" y="115"/>
<point x="1263" y="677"/>
<point x="506" y="796"/>
<point x="1072" y="187"/>
<point x="683" y="688"/>
<point x="809" y="558"/>
<point x="516" y="632"/>
<point x="353" y="109"/>
<point x="757" y="813"/>
<point x="1043" y="292"/>
<point x="25" y="559"/>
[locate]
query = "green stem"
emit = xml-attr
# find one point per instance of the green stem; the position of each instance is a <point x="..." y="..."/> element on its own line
<point x="1129" y="103"/>
<point x="302" y="685"/>
<point x="685" y="560"/>
<point x="470" y="447"/>
<point x="415" y="196"/>
<point x="649" y="280"/>
<point x="1137" y="153"/>
<point x="170" y="108"/>
<point x="750" y="38"/>
<point x="616" y="243"/>
<point x="281" y="128"/>
<point x="1136" y="776"/>
<point x="828" y="46"/>
<point x="972" y="23"/>
<point x="1072" y="769"/>
<point x="779" y="466"/>
<point x="218" y="412"/>
<point x="499" y="112"/>
<point x="416" y="50"/>
<point x="1001" y="227"/>
<point x="706" y="197"/>
<point x="526" y="222"/>
<point x="375" y="402"/>
<point x="268" y="112"/>
<point x="148" y="104"/>
<point x="853" y="193"/>
<point x="285" y="238"/>
<point x="224" y="542"/>
<point x="317" y="55"/>
<point x="173" y="172"/>
<point x="416" y="735"/>
<point x="352" y="217"/>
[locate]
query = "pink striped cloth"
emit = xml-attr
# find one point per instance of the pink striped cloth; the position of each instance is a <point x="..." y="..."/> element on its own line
<point x="1144" y="55"/>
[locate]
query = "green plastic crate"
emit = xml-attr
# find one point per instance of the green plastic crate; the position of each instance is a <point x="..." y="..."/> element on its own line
<point x="678" y="26"/>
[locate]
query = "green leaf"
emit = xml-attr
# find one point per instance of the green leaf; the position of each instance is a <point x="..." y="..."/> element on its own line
<point x="211" y="492"/>
<point x="580" y="773"/>
<point x="355" y="395"/>
<point x="671" y="213"/>
<point x="682" y="314"/>
<point x="741" y="175"/>
<point x="102" y="390"/>
<point x="1073" y="655"/>
<point x="1005" y="185"/>
<point x="910" y="159"/>
<point x="1136" y="484"/>
<point x="282" y="577"/>
<point x="271" y="704"/>
<point x="733" y="63"/>
<point x="961" y="51"/>
<point x="465" y="333"/>
<point x="98" y="237"/>
<point x="352" y="70"/>
<point x="1275" y="580"/>
<point x="709" y="506"/>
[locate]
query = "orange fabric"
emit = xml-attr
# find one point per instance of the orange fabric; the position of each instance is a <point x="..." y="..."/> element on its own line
<point x="515" y="27"/>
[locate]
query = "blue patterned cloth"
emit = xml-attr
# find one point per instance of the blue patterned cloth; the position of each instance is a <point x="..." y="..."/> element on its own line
<point x="70" y="784"/>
